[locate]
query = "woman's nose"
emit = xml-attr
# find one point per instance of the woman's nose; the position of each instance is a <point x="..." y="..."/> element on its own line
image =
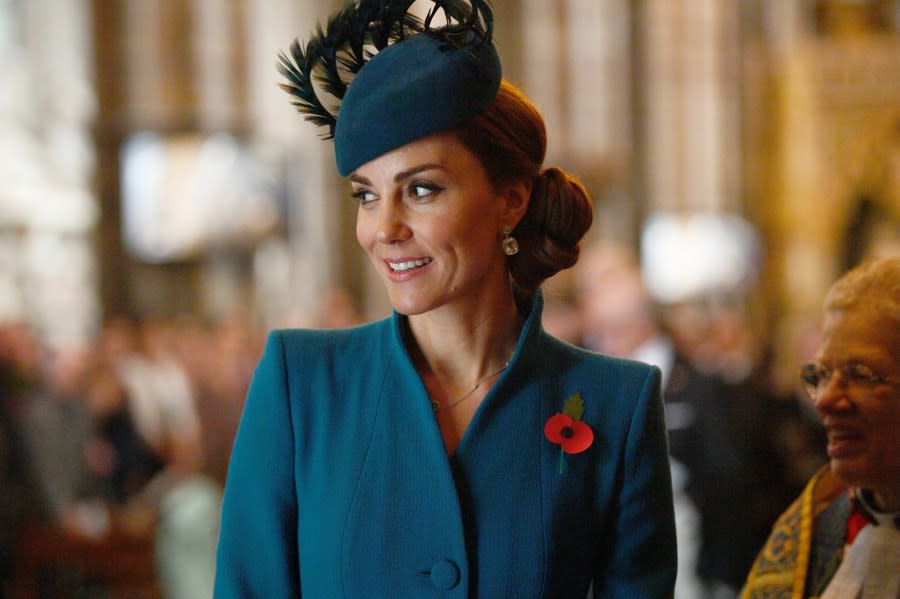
<point x="832" y="395"/>
<point x="391" y="225"/>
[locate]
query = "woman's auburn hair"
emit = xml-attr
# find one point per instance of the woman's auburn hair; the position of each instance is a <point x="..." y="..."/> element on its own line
<point x="510" y="140"/>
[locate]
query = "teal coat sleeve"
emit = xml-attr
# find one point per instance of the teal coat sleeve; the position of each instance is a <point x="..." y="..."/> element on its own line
<point x="257" y="551"/>
<point x="643" y="559"/>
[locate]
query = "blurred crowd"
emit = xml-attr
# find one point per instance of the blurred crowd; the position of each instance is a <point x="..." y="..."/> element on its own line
<point x="130" y="433"/>
<point x="133" y="431"/>
<point x="741" y="448"/>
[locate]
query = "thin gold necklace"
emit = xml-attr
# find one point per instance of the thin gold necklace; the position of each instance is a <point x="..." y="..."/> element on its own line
<point x="437" y="407"/>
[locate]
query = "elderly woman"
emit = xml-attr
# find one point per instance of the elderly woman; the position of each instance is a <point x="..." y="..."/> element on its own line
<point x="841" y="538"/>
<point x="454" y="449"/>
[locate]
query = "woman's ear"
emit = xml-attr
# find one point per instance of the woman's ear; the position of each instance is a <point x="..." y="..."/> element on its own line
<point x="515" y="199"/>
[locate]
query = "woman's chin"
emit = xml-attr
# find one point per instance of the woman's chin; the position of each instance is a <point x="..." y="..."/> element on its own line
<point x="852" y="473"/>
<point x="410" y="306"/>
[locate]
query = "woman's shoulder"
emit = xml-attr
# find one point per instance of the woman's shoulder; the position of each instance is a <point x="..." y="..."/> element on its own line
<point x="334" y="359"/>
<point x="316" y="341"/>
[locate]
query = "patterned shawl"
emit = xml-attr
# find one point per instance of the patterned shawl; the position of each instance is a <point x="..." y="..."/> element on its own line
<point x="805" y="546"/>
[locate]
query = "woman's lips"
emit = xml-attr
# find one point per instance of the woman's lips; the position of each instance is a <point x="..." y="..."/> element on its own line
<point x="407" y="264"/>
<point x="401" y="269"/>
<point x="844" y="443"/>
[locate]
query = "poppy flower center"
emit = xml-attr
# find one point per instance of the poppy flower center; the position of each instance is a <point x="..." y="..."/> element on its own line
<point x="567" y="432"/>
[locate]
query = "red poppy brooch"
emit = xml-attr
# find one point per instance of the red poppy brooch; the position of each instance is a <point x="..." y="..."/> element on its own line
<point x="567" y="430"/>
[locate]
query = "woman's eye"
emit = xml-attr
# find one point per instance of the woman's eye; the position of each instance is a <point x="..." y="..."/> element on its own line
<point x="424" y="190"/>
<point x="363" y="196"/>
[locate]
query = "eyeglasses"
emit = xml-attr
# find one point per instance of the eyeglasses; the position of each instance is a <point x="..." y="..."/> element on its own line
<point x="816" y="377"/>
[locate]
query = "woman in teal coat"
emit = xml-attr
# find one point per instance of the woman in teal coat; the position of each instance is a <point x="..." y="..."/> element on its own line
<point x="455" y="449"/>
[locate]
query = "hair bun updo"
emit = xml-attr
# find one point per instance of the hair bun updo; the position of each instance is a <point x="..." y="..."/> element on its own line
<point x="559" y="214"/>
<point x="510" y="139"/>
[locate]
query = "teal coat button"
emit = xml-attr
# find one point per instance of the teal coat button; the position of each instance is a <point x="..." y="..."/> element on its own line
<point x="445" y="575"/>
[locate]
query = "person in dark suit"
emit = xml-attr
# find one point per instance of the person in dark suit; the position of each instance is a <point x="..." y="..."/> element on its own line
<point x="713" y="427"/>
<point x="19" y="499"/>
<point x="454" y="449"/>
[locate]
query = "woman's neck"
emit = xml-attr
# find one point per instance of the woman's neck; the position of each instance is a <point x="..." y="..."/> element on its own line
<point x="459" y="345"/>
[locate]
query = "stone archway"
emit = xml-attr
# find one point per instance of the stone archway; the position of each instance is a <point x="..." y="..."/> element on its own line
<point x="833" y="153"/>
<point x="863" y="169"/>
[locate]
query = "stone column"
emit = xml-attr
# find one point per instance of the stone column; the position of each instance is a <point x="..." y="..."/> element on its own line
<point x="691" y="90"/>
<point x="576" y="66"/>
<point x="599" y="104"/>
<point x="48" y="272"/>
<point x="543" y="72"/>
<point x="596" y="44"/>
<point x="218" y="42"/>
<point x="317" y="234"/>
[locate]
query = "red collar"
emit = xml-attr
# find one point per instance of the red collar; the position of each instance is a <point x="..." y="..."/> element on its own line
<point x="862" y="513"/>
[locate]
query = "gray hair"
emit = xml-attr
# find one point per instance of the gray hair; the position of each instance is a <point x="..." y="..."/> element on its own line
<point x="872" y="287"/>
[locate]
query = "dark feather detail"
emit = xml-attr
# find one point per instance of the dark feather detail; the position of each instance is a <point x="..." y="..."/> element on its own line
<point x="335" y="53"/>
<point x="298" y="73"/>
<point x="467" y="23"/>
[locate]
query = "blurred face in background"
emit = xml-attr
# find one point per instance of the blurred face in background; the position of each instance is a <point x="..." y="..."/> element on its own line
<point x="21" y="350"/>
<point x="860" y="401"/>
<point x="616" y="311"/>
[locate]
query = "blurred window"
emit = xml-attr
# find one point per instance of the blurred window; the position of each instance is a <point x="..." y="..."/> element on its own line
<point x="185" y="194"/>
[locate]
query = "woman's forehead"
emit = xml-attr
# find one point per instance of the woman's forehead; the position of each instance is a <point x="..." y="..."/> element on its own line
<point x="859" y="335"/>
<point x="442" y="150"/>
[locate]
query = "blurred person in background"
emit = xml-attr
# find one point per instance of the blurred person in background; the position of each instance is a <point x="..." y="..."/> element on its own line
<point x="778" y="436"/>
<point x="797" y="436"/>
<point x="55" y="426"/>
<point x="18" y="496"/>
<point x="101" y="462"/>
<point x="455" y="448"/>
<point x="715" y="337"/>
<point x="117" y="453"/>
<point x="147" y="415"/>
<point x="218" y="357"/>
<point x="841" y="538"/>
<point x="714" y="450"/>
<point x="561" y="318"/>
<point x="337" y="309"/>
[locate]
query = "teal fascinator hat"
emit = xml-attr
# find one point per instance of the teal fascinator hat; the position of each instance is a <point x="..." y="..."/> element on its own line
<point x="378" y="77"/>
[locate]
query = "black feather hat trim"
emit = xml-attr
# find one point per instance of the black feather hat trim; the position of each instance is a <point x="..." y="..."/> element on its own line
<point x="318" y="73"/>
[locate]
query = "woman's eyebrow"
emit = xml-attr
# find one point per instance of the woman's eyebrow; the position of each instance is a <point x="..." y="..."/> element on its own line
<point x="403" y="175"/>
